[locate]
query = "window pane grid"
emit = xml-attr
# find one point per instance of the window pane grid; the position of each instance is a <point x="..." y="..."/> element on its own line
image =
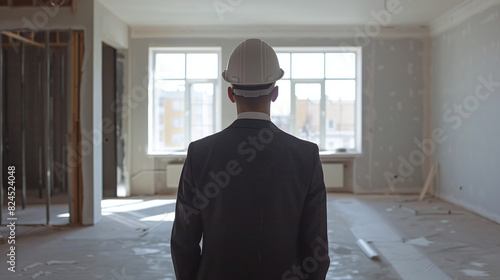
<point x="322" y="102"/>
<point x="201" y="95"/>
<point x="183" y="98"/>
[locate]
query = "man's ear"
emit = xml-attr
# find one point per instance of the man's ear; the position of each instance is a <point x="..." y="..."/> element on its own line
<point x="275" y="94"/>
<point x="230" y="94"/>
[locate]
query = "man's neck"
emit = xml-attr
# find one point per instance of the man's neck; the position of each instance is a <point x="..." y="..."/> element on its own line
<point x="254" y="115"/>
<point x="240" y="110"/>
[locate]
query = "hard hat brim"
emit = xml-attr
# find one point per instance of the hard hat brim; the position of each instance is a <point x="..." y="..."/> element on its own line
<point x="254" y="92"/>
<point x="224" y="76"/>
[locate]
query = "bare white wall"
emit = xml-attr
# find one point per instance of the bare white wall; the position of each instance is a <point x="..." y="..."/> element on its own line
<point x="466" y="102"/>
<point x="113" y="30"/>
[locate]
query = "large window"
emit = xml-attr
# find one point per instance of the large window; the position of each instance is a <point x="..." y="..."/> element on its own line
<point x="183" y="83"/>
<point x="320" y="96"/>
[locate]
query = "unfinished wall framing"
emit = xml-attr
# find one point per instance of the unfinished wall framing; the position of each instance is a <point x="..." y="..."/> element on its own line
<point x="36" y="78"/>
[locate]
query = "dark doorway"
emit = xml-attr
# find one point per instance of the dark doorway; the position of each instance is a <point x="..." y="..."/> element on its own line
<point x="109" y="121"/>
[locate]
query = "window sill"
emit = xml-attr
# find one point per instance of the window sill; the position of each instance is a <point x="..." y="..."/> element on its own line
<point x="181" y="155"/>
<point x="339" y="155"/>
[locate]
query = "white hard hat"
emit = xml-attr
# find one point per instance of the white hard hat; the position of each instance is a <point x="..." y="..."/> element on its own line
<point x="253" y="68"/>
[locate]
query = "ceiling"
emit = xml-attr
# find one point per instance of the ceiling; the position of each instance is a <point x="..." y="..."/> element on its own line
<point x="225" y="13"/>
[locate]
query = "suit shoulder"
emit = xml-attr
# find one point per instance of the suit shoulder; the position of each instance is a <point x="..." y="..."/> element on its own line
<point x="208" y="140"/>
<point x="299" y="142"/>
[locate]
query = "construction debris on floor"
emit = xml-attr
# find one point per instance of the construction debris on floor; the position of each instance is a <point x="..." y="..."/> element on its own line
<point x="404" y="238"/>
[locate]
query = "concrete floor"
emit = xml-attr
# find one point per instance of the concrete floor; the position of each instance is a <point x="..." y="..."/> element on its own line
<point x="35" y="212"/>
<point x="132" y="242"/>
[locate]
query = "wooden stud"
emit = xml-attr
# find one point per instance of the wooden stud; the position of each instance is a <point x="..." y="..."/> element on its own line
<point x="428" y="182"/>
<point x="74" y="139"/>
<point x="2" y="111"/>
<point x="18" y="44"/>
<point x="12" y="43"/>
<point x="77" y="53"/>
<point x="81" y="54"/>
<point x="21" y="38"/>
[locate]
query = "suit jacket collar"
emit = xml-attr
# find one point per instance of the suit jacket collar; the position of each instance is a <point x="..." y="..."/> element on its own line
<point x="253" y="123"/>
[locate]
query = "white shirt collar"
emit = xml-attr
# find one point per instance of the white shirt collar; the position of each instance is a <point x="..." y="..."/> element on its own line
<point x="254" y="115"/>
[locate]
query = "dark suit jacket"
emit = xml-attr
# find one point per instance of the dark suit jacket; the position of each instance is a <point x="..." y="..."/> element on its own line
<point x="257" y="197"/>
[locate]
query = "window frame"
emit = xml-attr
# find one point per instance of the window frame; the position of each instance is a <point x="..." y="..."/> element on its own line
<point x="187" y="117"/>
<point x="322" y="81"/>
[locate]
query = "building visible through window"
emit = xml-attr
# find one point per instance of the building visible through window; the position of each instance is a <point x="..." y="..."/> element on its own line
<point x="182" y="96"/>
<point x="320" y="96"/>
